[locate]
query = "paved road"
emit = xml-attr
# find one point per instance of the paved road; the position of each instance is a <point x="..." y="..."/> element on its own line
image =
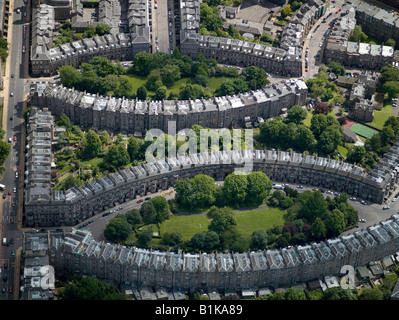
<point x="315" y="38"/>
<point x="14" y="93"/>
<point x="160" y="26"/>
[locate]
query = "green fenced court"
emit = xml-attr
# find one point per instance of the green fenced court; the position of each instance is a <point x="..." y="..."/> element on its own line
<point x="363" y="131"/>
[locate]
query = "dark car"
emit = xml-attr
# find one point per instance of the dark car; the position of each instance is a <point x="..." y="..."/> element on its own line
<point x="5" y="277"/>
<point x="4" y="196"/>
<point x="148" y="198"/>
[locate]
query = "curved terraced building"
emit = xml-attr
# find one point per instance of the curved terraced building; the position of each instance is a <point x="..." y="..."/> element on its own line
<point x="77" y="252"/>
<point x="46" y="207"/>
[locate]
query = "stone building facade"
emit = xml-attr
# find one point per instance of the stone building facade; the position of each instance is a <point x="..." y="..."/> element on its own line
<point x="375" y="21"/>
<point x="45" y="59"/>
<point x="135" y="117"/>
<point x="59" y="207"/>
<point x="78" y="252"/>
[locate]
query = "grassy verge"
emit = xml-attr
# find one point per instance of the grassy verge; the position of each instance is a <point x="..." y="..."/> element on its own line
<point x="381" y="116"/>
<point x="247" y="222"/>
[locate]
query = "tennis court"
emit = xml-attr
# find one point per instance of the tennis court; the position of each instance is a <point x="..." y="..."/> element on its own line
<point x="362" y="130"/>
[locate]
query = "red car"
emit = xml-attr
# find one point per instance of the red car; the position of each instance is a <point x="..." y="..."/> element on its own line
<point x="306" y="69"/>
<point x="10" y="289"/>
<point x="9" y="193"/>
<point x="140" y="201"/>
<point x="13" y="204"/>
<point x="15" y="138"/>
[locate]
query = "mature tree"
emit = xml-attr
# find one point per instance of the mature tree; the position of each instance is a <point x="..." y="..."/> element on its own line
<point x="222" y="220"/>
<point x="153" y="78"/>
<point x="255" y="77"/>
<point x="371" y="294"/>
<point x="172" y="238"/>
<point x="105" y="138"/>
<point x="235" y="189"/>
<point x="70" y="181"/>
<point x="205" y="189"/>
<point x="210" y="18"/>
<point x="145" y="237"/>
<point x="226" y="88"/>
<point x="356" y="154"/>
<point x="125" y="87"/>
<point x="133" y="148"/>
<point x="116" y="157"/>
<point x="70" y="76"/>
<point x="170" y="74"/>
<point x="142" y="63"/>
<point x="322" y="107"/>
<point x="90" y="31"/>
<point x="304" y="138"/>
<point x="296" y="114"/>
<point x="161" y="207"/>
<point x="295" y="294"/>
<point x="117" y="229"/>
<point x="330" y="139"/>
<point x="92" y="145"/>
<point x="142" y="93"/>
<point x="148" y="212"/>
<point x="391" y="88"/>
<point x="102" y="28"/>
<point x="313" y="207"/>
<point x="205" y="240"/>
<point x="161" y="93"/>
<point x="337" y="68"/>
<point x="337" y="293"/>
<point x="259" y="240"/>
<point x="134" y="218"/>
<point x="319" y="230"/>
<point x="388" y="73"/>
<point x="258" y="187"/>
<point x="357" y="35"/>
<point x="335" y="223"/>
<point x="286" y="11"/>
<point x="387" y="135"/>
<point x="103" y="66"/>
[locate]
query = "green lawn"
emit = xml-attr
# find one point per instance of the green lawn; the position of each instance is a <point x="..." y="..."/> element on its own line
<point x="214" y="83"/>
<point x="247" y="222"/>
<point x="187" y="225"/>
<point x="138" y="81"/>
<point x="342" y="150"/>
<point x="380" y="117"/>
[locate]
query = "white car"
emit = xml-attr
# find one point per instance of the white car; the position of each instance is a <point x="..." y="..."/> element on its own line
<point x="15" y="189"/>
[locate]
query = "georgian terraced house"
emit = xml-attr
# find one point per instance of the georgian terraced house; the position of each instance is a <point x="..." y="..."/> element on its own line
<point x="76" y="251"/>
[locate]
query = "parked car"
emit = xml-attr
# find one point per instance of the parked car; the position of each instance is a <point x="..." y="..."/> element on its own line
<point x="386" y="208"/>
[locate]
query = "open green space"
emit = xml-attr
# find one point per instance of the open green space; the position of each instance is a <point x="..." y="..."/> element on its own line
<point x="247" y="222"/>
<point x="251" y="220"/>
<point x="186" y="225"/>
<point x="138" y="81"/>
<point x="380" y="116"/>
